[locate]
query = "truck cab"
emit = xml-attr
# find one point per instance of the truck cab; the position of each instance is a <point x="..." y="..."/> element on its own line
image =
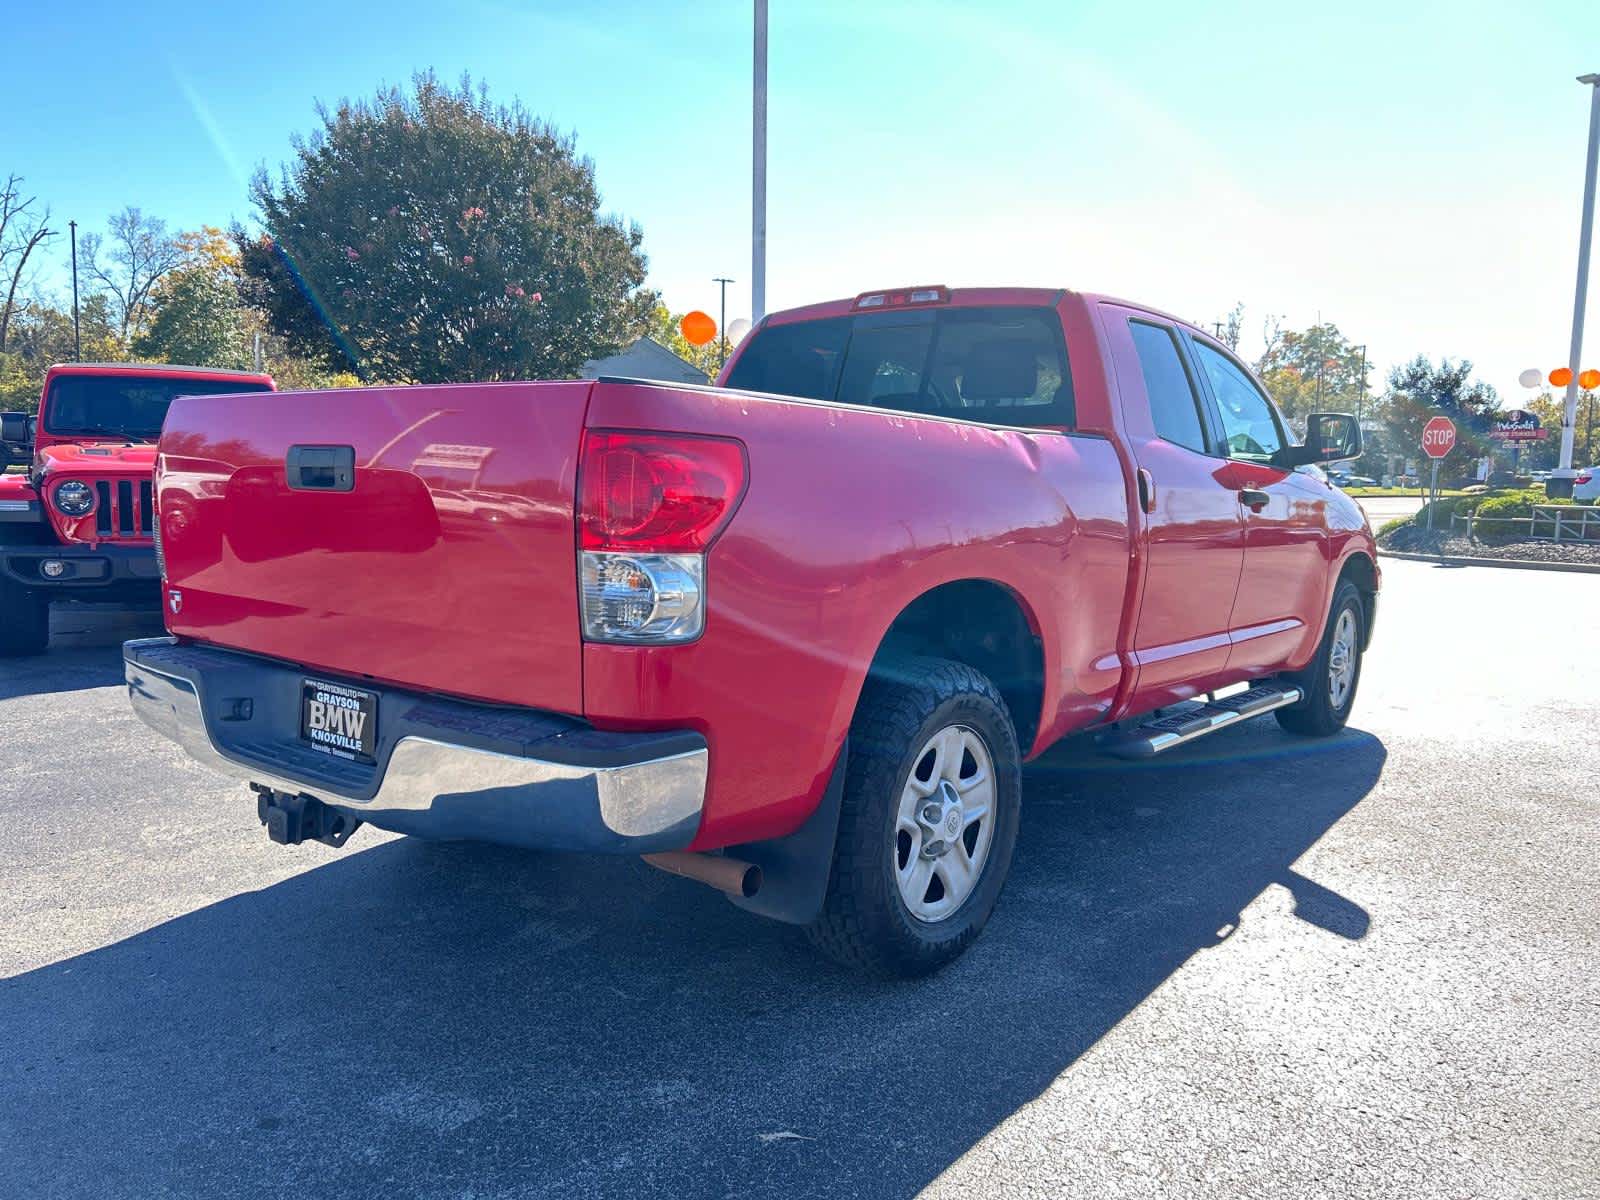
<point x="79" y="524"/>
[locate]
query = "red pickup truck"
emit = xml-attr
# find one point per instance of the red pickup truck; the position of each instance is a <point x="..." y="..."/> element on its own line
<point x="77" y="525"/>
<point x="792" y="635"/>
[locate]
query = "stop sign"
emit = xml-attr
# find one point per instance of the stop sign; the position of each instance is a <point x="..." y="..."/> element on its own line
<point x="1438" y="437"/>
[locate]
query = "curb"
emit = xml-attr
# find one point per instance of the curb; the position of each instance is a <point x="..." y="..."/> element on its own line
<point x="1523" y="564"/>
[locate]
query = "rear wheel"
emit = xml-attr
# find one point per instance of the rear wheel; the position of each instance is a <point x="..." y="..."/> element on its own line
<point x="932" y="798"/>
<point x="24" y="620"/>
<point x="1329" y="680"/>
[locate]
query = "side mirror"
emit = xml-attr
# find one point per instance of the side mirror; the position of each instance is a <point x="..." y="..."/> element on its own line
<point x="14" y="427"/>
<point x="1330" y="437"/>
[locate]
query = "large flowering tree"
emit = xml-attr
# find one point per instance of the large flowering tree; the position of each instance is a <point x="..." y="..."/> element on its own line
<point x="429" y="235"/>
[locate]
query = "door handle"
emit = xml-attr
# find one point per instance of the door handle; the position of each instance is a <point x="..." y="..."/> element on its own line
<point x="321" y="468"/>
<point x="1253" y="498"/>
<point x="1147" y="490"/>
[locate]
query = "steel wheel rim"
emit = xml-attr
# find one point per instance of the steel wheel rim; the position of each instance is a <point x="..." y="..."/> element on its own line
<point x="944" y="824"/>
<point x="1342" y="659"/>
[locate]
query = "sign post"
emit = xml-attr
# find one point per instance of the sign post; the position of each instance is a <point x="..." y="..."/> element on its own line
<point x="1438" y="439"/>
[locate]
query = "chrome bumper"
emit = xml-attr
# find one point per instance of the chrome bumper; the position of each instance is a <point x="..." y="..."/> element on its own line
<point x="428" y="785"/>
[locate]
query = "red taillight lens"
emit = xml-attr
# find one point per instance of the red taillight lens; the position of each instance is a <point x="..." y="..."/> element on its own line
<point x="1584" y="478"/>
<point x="656" y="493"/>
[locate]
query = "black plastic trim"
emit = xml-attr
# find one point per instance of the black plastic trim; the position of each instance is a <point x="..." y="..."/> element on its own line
<point x="111" y="564"/>
<point x="795" y="869"/>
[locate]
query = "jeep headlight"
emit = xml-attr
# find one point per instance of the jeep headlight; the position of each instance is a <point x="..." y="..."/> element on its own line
<point x="74" y="499"/>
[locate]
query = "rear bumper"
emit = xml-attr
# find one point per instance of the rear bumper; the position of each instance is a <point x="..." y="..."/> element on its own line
<point x="84" y="568"/>
<point x="443" y="768"/>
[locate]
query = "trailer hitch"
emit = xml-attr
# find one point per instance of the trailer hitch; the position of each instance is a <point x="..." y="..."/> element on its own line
<point x="291" y="819"/>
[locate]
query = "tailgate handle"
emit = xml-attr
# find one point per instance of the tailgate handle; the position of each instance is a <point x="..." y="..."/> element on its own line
<point x="321" y="468"/>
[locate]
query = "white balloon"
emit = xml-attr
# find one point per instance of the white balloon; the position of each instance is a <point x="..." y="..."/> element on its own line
<point x="737" y="328"/>
<point x="1531" y="378"/>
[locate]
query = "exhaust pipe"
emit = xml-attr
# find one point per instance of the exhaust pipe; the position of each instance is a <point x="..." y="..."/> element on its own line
<point x="730" y="875"/>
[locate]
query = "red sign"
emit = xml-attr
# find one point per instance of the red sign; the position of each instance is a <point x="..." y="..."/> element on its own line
<point x="1438" y="437"/>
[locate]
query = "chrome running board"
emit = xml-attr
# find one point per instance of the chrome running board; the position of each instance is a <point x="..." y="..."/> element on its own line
<point x="1196" y="719"/>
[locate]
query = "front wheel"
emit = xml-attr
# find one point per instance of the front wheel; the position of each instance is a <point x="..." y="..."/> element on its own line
<point x="24" y="620"/>
<point x="1329" y="680"/>
<point x="932" y="798"/>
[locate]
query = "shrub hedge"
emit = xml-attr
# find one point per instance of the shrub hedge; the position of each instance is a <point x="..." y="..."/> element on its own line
<point x="1517" y="503"/>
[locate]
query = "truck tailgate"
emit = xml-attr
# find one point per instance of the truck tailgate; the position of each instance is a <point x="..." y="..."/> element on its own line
<point x="448" y="565"/>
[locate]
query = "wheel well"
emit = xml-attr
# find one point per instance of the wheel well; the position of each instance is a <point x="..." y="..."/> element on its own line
<point x="981" y="624"/>
<point x="1359" y="570"/>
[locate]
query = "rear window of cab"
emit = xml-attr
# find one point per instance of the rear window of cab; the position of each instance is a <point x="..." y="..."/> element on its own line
<point x="999" y="365"/>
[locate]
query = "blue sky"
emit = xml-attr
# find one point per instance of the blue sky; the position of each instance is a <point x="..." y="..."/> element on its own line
<point x="1411" y="171"/>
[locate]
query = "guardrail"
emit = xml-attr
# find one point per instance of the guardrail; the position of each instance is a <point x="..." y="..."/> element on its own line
<point x="1546" y="523"/>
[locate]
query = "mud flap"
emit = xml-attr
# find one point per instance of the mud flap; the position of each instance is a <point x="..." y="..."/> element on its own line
<point x="795" y="869"/>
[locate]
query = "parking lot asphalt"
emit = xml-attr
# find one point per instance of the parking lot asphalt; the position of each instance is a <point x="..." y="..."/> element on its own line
<point x="1382" y="509"/>
<point x="1258" y="967"/>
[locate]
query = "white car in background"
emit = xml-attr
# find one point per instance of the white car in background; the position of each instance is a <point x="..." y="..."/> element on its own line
<point x="1587" y="484"/>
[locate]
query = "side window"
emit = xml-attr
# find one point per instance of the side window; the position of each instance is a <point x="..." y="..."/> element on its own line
<point x="1173" y="404"/>
<point x="1248" y="421"/>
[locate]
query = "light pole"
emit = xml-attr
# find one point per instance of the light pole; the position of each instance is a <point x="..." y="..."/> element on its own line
<point x="1361" y="395"/>
<point x="77" y="343"/>
<point x="722" y="323"/>
<point x="1569" y="420"/>
<point x="758" y="170"/>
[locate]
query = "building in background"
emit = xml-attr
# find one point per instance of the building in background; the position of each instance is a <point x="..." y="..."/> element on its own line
<point x="645" y="359"/>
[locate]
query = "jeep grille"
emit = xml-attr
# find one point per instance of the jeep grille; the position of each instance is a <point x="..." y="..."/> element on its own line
<point x="124" y="509"/>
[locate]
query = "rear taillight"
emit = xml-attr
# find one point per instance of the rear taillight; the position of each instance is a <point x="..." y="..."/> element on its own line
<point x="1583" y="478"/>
<point x="649" y="506"/>
<point x="656" y="492"/>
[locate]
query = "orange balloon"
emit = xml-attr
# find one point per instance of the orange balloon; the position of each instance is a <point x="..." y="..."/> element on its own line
<point x="1589" y="380"/>
<point x="698" y="328"/>
<point x="1560" y="377"/>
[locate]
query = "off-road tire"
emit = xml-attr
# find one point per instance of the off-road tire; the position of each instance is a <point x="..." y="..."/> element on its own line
<point x="864" y="922"/>
<point x="24" y="620"/>
<point x="1315" y="714"/>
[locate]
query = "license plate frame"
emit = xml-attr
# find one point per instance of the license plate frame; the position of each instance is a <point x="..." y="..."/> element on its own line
<point x="339" y="720"/>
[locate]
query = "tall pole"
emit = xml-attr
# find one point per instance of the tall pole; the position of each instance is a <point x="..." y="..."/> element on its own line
<point x="1361" y="395"/>
<point x="722" y="323"/>
<point x="758" y="168"/>
<point x="1569" y="421"/>
<point x="77" y="342"/>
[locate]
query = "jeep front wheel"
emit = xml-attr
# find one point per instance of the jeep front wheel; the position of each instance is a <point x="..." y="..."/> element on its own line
<point x="932" y="798"/>
<point x="24" y="620"/>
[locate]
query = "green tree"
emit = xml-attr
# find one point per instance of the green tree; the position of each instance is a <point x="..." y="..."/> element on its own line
<point x="41" y="334"/>
<point x="430" y="235"/>
<point x="1550" y="409"/>
<point x="1419" y="390"/>
<point x="1312" y="370"/>
<point x="197" y="319"/>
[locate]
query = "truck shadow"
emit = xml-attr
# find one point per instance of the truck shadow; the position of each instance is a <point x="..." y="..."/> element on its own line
<point x="85" y="651"/>
<point x="451" y="1019"/>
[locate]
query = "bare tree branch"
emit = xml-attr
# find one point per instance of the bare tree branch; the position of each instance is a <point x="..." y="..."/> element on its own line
<point x="141" y="254"/>
<point x="21" y="233"/>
